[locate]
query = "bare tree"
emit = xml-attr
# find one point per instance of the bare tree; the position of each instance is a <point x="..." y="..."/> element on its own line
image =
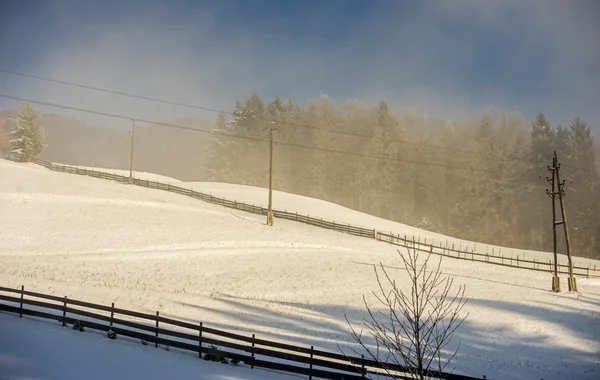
<point x="415" y="326"/>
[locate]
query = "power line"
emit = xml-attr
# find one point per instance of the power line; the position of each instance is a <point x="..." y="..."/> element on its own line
<point x="203" y="108"/>
<point x="122" y="117"/>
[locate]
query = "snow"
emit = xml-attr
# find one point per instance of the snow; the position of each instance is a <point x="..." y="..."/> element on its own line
<point x="61" y="353"/>
<point x="334" y="212"/>
<point x="149" y="250"/>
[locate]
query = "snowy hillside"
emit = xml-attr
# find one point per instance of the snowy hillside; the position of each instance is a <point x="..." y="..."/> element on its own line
<point x="152" y="250"/>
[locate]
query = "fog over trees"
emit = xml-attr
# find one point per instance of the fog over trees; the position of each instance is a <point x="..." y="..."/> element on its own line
<point x="484" y="180"/>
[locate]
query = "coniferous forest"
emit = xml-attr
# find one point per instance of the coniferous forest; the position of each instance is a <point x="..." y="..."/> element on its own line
<point x="483" y="180"/>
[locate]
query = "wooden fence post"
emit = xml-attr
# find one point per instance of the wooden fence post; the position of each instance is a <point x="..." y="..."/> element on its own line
<point x="363" y="373"/>
<point x="587" y="275"/>
<point x="517" y="261"/>
<point x="252" y="352"/>
<point x="156" y="336"/>
<point x="200" y="341"/>
<point x="112" y="314"/>
<point x="64" y="318"/>
<point x="23" y="290"/>
<point x="310" y="363"/>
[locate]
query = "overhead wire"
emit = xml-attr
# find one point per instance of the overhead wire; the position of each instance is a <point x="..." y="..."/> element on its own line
<point x="213" y="132"/>
<point x="209" y="109"/>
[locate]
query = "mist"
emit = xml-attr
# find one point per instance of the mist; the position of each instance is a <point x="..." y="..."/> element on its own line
<point x="448" y="60"/>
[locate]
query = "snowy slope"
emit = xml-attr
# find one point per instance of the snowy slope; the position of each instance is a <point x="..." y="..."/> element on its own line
<point x="334" y="212"/>
<point x="151" y="250"/>
<point x="61" y="353"/>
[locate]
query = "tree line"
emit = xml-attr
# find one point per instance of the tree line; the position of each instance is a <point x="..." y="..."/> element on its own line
<point x="483" y="180"/>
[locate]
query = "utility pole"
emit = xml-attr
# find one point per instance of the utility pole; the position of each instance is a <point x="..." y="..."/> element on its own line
<point x="271" y="130"/>
<point x="561" y="196"/>
<point x="132" y="145"/>
<point x="558" y="185"/>
<point x="552" y="195"/>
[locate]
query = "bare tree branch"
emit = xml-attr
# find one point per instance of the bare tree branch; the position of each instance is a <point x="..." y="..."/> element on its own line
<point x="412" y="331"/>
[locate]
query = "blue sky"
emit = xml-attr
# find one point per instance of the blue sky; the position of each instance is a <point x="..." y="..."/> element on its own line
<point x="449" y="59"/>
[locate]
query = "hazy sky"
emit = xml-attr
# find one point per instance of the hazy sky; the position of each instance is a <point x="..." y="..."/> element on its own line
<point x="449" y="59"/>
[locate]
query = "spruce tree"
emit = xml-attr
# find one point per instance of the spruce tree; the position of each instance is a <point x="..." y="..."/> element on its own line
<point x="582" y="177"/>
<point x="28" y="136"/>
<point x="218" y="168"/>
<point x="2" y="137"/>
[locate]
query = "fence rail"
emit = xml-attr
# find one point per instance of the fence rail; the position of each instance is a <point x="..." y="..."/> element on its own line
<point x="451" y="252"/>
<point x="200" y="339"/>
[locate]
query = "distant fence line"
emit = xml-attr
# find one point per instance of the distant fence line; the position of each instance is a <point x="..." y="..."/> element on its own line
<point x="446" y="251"/>
<point x="200" y="339"/>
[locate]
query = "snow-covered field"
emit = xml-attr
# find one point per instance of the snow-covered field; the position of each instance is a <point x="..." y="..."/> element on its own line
<point x="61" y="353"/>
<point x="151" y="250"/>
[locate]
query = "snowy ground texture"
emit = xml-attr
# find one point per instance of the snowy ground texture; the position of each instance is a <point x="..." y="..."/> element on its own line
<point x="60" y="353"/>
<point x="151" y="250"/>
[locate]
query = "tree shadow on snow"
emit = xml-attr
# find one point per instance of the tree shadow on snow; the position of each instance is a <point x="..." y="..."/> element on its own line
<point x="499" y="347"/>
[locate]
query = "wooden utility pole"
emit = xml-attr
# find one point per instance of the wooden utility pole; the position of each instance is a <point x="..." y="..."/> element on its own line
<point x="552" y="195"/>
<point x="558" y="190"/>
<point x="271" y="130"/>
<point x="132" y="145"/>
<point x="561" y="196"/>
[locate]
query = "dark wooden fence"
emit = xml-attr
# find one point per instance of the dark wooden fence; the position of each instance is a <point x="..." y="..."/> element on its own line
<point x="452" y="252"/>
<point x="493" y="258"/>
<point x="199" y="339"/>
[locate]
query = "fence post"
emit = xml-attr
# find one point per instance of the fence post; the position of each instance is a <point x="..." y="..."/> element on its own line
<point x="587" y="275"/>
<point x="252" y="353"/>
<point x="200" y="341"/>
<point x="517" y="261"/>
<point x="310" y="363"/>
<point x="64" y="318"/>
<point x="23" y="289"/>
<point x="364" y="373"/>
<point x="112" y="314"/>
<point x="156" y="335"/>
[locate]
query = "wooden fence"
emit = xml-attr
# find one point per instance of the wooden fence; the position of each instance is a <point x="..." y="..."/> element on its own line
<point x="452" y="252"/>
<point x="495" y="259"/>
<point x="200" y="339"/>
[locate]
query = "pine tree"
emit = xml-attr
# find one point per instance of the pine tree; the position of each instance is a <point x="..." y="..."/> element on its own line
<point x="250" y="154"/>
<point x="582" y="177"/>
<point x="28" y="136"/>
<point x="2" y="137"/>
<point x="220" y="152"/>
